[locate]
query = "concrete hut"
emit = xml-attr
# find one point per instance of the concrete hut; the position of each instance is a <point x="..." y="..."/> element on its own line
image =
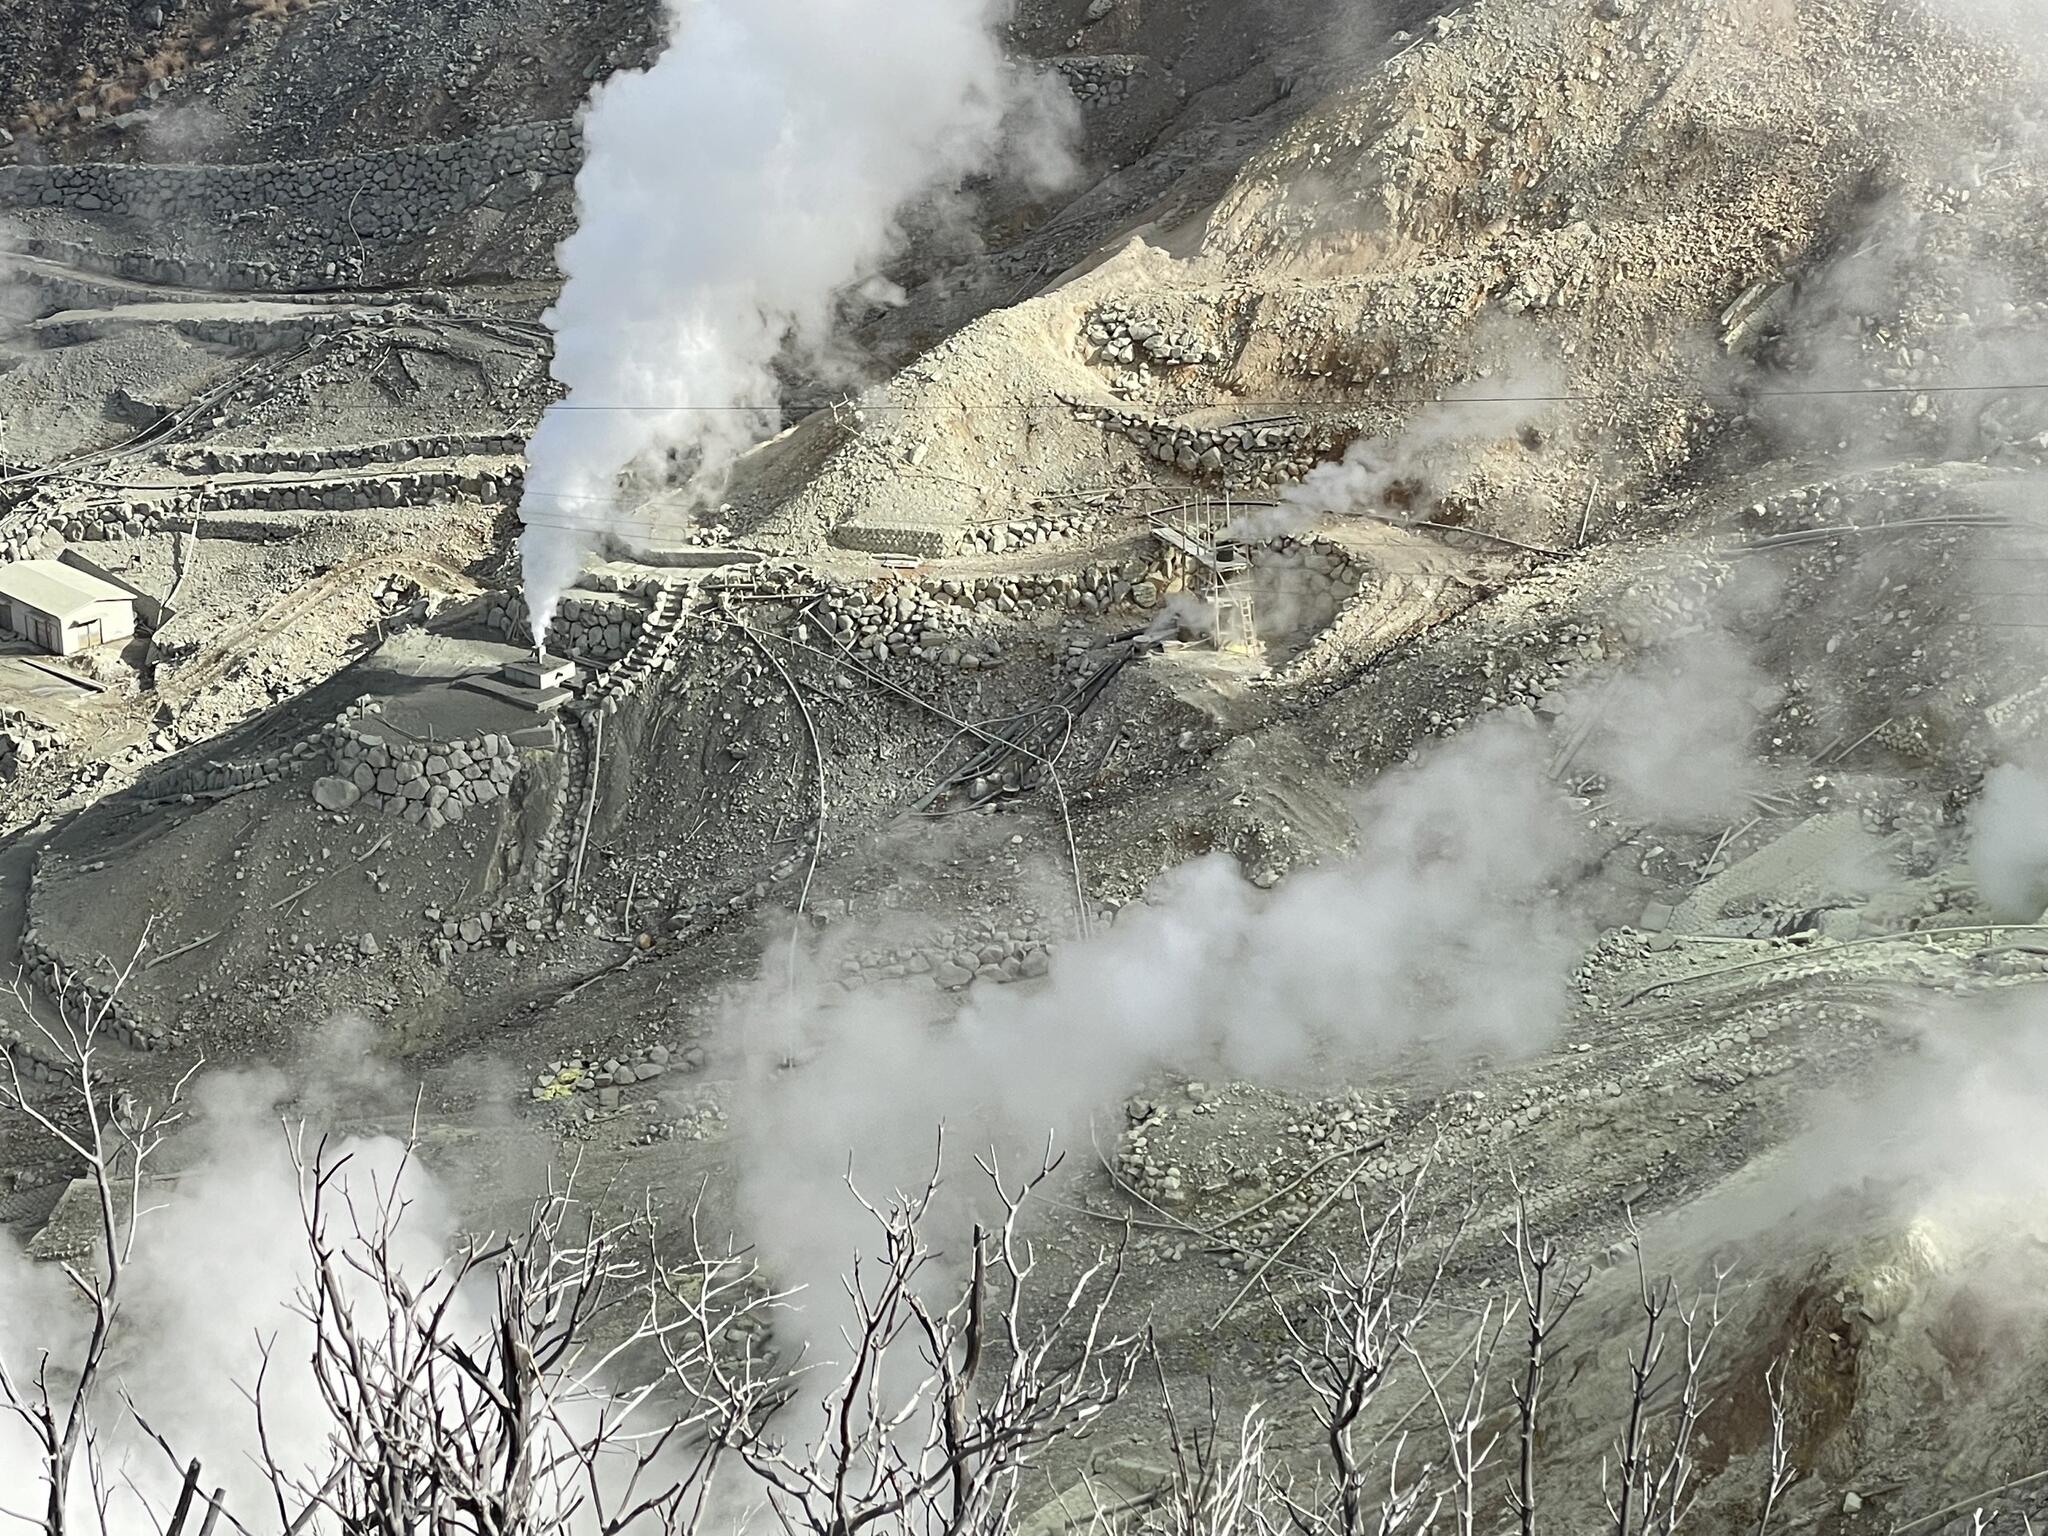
<point x="62" y="609"/>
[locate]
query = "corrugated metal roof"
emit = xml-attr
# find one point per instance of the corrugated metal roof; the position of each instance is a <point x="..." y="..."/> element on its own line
<point x="60" y="590"/>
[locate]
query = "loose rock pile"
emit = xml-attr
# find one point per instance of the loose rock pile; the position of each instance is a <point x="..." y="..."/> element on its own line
<point x="1103" y="78"/>
<point x="702" y="1120"/>
<point x="607" y="1079"/>
<point x="23" y="740"/>
<point x="493" y="928"/>
<point x="957" y="961"/>
<point x="1114" y="334"/>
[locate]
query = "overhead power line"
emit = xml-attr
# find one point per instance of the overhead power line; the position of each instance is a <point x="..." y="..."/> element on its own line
<point x="1291" y="405"/>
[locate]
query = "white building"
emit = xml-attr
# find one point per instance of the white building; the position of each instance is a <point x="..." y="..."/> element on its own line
<point x="63" y="609"/>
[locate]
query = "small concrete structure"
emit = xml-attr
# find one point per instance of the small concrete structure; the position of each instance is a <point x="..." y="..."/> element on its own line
<point x="62" y="609"/>
<point x="539" y="671"/>
<point x="533" y="681"/>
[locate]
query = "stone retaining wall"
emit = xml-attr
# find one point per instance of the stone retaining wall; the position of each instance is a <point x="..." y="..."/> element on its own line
<point x="1250" y="454"/>
<point x="429" y="784"/>
<point x="85" y="998"/>
<point x="415" y="488"/>
<point x="219" y="780"/>
<point x="251" y="336"/>
<point x="147" y="267"/>
<point x="1114" y="334"/>
<point x="895" y="539"/>
<point x="36" y="1062"/>
<point x="271" y="461"/>
<point x="595" y="628"/>
<point x="37" y="526"/>
<point x="308" y="211"/>
<point x="1045" y="527"/>
<point x="34" y="524"/>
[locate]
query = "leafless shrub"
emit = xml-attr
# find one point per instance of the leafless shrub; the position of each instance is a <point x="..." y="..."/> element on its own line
<point x="1653" y="1485"/>
<point x="1548" y="1292"/>
<point x="1357" y="1332"/>
<point x="1361" y="1329"/>
<point x="113" y="1141"/>
<point x="1213" y="1488"/>
<point x="494" y="1392"/>
<point x="943" y="1403"/>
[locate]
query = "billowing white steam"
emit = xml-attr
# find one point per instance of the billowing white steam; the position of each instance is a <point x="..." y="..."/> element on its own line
<point x="728" y="194"/>
<point x="1433" y="446"/>
<point x="220" y="1260"/>
<point x="2009" y="843"/>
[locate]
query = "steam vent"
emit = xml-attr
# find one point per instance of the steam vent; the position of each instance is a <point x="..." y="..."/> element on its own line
<point x="1293" y="756"/>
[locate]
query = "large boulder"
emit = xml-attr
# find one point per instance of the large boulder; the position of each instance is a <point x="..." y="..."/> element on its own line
<point x="332" y="794"/>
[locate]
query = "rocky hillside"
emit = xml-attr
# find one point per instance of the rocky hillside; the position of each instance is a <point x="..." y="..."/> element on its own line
<point x="1458" y="598"/>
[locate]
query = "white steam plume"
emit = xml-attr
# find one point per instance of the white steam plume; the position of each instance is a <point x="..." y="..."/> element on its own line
<point x="729" y="193"/>
<point x="220" y="1258"/>
<point x="1432" y="447"/>
<point x="2009" y="843"/>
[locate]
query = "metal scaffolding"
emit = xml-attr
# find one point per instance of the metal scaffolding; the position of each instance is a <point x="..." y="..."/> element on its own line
<point x="1219" y="569"/>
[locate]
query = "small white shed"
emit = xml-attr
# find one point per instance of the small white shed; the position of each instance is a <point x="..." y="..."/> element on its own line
<point x="62" y="609"/>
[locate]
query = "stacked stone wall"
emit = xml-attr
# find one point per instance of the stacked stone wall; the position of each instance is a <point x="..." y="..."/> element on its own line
<point x="429" y="784"/>
<point x="35" y="526"/>
<point x="414" y="488"/>
<point x="218" y="781"/>
<point x="895" y="539"/>
<point x="310" y="460"/>
<point x="84" y="999"/>
<point x="1248" y="455"/>
<point x="597" y="628"/>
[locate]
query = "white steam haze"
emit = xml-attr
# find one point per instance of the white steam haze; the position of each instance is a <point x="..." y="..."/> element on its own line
<point x="1673" y="735"/>
<point x="1449" y="932"/>
<point x="1435" y="443"/>
<point x="729" y="194"/>
<point x="220" y="1258"/>
<point x="1940" y="1141"/>
<point x="2009" y="843"/>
